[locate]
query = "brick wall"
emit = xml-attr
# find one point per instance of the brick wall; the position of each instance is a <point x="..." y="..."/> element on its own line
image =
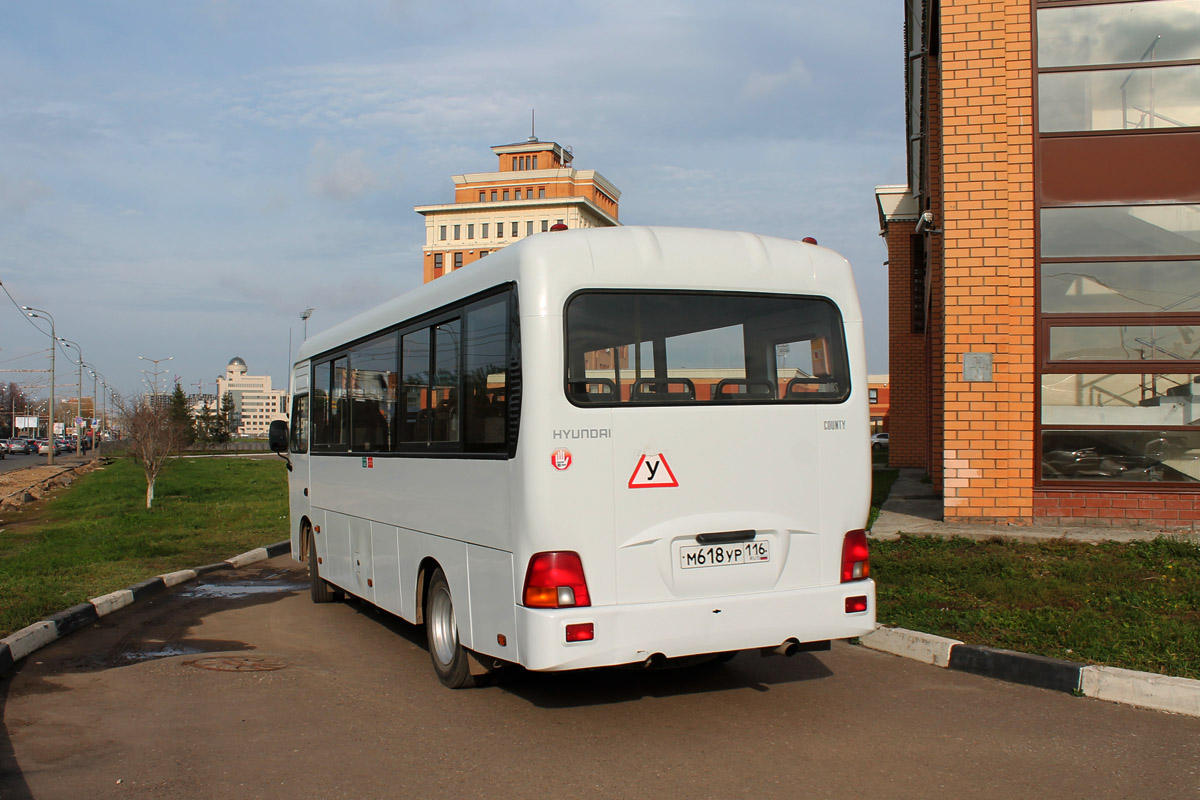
<point x="1161" y="510"/>
<point x="987" y="183"/>
<point x="908" y="424"/>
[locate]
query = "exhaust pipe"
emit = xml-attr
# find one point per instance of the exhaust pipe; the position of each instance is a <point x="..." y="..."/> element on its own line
<point x="788" y="648"/>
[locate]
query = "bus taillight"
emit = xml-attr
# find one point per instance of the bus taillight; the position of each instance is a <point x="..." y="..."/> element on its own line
<point x="856" y="564"/>
<point x="555" y="580"/>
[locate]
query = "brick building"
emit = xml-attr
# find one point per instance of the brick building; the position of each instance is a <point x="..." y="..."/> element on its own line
<point x="1044" y="260"/>
<point x="534" y="188"/>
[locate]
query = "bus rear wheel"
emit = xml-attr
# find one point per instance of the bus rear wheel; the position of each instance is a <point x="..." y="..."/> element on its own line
<point x="319" y="588"/>
<point x="449" y="657"/>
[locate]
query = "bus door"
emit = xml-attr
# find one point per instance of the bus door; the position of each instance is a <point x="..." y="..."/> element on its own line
<point x="298" y="440"/>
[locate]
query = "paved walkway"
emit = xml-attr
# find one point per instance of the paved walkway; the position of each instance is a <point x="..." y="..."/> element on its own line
<point x="914" y="508"/>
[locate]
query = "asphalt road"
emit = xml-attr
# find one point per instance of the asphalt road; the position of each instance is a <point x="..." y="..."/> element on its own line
<point x="13" y="461"/>
<point x="238" y="686"/>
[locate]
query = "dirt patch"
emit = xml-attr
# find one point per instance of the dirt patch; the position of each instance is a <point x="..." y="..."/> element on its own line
<point x="21" y="486"/>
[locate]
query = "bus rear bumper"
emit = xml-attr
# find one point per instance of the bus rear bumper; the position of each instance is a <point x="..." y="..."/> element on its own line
<point x="626" y="634"/>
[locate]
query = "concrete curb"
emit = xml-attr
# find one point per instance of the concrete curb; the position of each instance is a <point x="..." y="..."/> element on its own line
<point x="16" y="646"/>
<point x="912" y="644"/>
<point x="1129" y="687"/>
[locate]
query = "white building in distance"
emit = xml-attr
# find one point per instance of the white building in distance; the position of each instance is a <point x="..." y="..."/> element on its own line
<point x="255" y="404"/>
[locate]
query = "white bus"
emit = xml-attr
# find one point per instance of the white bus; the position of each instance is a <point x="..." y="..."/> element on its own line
<point x="592" y="448"/>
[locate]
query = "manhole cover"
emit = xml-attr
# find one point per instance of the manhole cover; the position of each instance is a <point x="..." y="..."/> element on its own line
<point x="239" y="663"/>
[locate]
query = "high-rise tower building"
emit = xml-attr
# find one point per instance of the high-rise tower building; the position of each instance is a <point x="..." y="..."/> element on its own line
<point x="534" y="188"/>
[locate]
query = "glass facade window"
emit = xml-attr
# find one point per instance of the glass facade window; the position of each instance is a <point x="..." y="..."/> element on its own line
<point x="1120" y="287"/>
<point x="1149" y="37"/>
<point x="1122" y="399"/>
<point x="1142" y="230"/>
<point x="1105" y="100"/>
<point x="1119" y="33"/>
<point x="1112" y="455"/>
<point x="483" y="229"/>
<point x="1138" y="342"/>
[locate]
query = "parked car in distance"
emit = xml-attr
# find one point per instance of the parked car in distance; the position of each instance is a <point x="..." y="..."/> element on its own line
<point x="879" y="441"/>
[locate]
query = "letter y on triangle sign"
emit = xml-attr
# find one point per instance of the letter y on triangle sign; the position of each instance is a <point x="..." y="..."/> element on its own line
<point x="652" y="472"/>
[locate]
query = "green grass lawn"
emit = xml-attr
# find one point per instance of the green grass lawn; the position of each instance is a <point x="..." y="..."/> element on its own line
<point x="1134" y="605"/>
<point x="98" y="536"/>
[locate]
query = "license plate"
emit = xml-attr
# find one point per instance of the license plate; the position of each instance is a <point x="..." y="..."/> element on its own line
<point x="723" y="555"/>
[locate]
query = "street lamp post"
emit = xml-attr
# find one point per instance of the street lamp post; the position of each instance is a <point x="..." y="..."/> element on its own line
<point x="79" y="399"/>
<point x="304" y="315"/>
<point x="96" y="376"/>
<point x="40" y="314"/>
<point x="156" y="373"/>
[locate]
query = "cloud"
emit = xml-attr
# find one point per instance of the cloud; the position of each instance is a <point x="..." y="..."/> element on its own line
<point x="762" y="85"/>
<point x="16" y="197"/>
<point x="340" y="175"/>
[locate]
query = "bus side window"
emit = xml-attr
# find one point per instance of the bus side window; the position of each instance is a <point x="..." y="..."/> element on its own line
<point x="446" y="415"/>
<point x="414" y="421"/>
<point x="299" y="433"/>
<point x="485" y="376"/>
<point x="373" y="393"/>
<point x="320" y="404"/>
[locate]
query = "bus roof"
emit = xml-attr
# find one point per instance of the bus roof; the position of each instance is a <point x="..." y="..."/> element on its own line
<point x="631" y="257"/>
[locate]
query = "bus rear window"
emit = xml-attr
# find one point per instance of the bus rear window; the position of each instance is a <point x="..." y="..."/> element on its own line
<point x="688" y="347"/>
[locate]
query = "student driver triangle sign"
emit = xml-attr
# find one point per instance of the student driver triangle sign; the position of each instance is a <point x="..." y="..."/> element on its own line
<point x="652" y="472"/>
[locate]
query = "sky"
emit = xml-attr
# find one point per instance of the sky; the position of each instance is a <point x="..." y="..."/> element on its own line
<point x="181" y="180"/>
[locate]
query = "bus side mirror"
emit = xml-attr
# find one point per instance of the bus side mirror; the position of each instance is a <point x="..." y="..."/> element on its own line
<point x="277" y="436"/>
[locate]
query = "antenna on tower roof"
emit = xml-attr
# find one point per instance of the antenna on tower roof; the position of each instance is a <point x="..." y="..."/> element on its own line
<point x="532" y="125"/>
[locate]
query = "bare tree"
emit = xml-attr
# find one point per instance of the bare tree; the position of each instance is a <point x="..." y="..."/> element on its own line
<point x="152" y="436"/>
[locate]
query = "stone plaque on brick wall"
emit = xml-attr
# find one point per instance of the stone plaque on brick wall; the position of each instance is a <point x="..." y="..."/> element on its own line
<point x="977" y="367"/>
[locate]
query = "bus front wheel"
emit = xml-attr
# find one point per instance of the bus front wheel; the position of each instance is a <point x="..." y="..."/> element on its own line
<point x="450" y="659"/>
<point x="319" y="588"/>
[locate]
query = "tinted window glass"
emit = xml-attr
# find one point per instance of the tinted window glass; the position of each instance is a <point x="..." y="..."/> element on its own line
<point x="372" y="393"/>
<point x="485" y="376"/>
<point x="667" y="347"/>
<point x="320" y="403"/>
<point x="414" y="366"/>
<point x="299" y="429"/>
<point x="447" y="337"/>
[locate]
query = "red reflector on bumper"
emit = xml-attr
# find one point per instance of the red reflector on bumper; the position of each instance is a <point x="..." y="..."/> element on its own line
<point x="856" y="605"/>
<point x="581" y="632"/>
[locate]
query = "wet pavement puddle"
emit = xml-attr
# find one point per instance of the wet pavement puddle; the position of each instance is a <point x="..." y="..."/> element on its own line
<point x="238" y="589"/>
